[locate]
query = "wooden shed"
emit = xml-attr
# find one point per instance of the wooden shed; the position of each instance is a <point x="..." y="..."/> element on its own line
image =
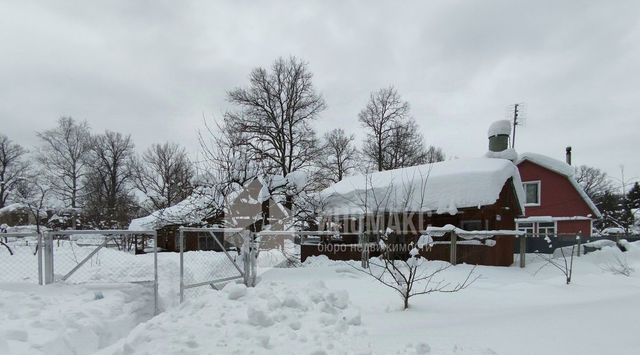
<point x="472" y="194"/>
<point x="247" y="207"/>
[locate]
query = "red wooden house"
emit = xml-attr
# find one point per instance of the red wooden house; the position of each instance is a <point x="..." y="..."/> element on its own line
<point x="555" y="204"/>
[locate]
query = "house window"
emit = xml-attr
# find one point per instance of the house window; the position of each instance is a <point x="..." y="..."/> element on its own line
<point x="472" y="225"/>
<point x="546" y="228"/>
<point x="532" y="193"/>
<point x="526" y="227"/>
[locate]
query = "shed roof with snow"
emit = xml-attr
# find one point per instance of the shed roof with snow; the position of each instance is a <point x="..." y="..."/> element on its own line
<point x="442" y="187"/>
<point x="192" y="210"/>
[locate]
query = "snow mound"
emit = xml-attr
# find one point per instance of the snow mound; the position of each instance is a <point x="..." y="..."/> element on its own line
<point x="69" y="319"/>
<point x="273" y="317"/>
<point x="235" y="291"/>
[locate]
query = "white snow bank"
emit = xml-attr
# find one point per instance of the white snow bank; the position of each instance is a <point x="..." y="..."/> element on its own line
<point x="69" y="319"/>
<point x="443" y="187"/>
<point x="274" y="317"/>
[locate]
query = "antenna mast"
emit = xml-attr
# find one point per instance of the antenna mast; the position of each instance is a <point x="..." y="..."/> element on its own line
<point x="515" y="123"/>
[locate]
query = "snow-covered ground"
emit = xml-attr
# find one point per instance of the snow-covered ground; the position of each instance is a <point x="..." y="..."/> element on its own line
<point x="332" y="308"/>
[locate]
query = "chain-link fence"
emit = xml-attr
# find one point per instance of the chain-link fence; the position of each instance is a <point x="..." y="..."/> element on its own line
<point x="21" y="257"/>
<point x="107" y="256"/>
<point x="209" y="258"/>
<point x="278" y="249"/>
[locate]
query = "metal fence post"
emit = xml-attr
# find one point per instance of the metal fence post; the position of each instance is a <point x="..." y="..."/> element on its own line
<point x="254" y="263"/>
<point x="155" y="272"/>
<point x="40" y="246"/>
<point x="249" y="260"/>
<point x="579" y="244"/>
<point x="246" y="259"/>
<point x="181" y="240"/>
<point x="523" y="250"/>
<point x="453" y="249"/>
<point x="48" y="259"/>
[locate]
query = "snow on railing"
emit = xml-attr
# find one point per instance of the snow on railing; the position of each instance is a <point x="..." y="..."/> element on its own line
<point x="464" y="234"/>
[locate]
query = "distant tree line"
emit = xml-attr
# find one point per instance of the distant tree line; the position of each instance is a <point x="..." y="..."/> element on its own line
<point x="617" y="200"/>
<point x="100" y="181"/>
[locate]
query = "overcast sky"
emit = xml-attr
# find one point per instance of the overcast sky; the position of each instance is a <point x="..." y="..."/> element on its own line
<point x="154" y="68"/>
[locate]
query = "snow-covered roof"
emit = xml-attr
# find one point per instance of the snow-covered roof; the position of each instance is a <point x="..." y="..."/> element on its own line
<point x="13" y="208"/>
<point x="442" y="187"/>
<point x="556" y="165"/>
<point x="509" y="154"/>
<point x="561" y="168"/>
<point x="203" y="202"/>
<point x="194" y="209"/>
<point x="20" y="207"/>
<point x="502" y="127"/>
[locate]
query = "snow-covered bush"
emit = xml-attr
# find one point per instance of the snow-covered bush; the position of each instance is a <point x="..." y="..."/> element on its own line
<point x="619" y="266"/>
<point x="561" y="259"/>
<point x="412" y="276"/>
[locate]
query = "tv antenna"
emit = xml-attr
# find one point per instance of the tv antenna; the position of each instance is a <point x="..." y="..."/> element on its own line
<point x="518" y="120"/>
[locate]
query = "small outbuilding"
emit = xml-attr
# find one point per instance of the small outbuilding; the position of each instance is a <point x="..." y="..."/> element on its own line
<point x="472" y="194"/>
<point x="250" y="207"/>
<point x="478" y="194"/>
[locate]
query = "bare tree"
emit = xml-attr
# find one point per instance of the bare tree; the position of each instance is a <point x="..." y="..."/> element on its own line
<point x="230" y="162"/>
<point x="64" y="153"/>
<point x="383" y="112"/>
<point x="434" y="154"/>
<point x="13" y="167"/>
<point x="619" y="266"/>
<point x="412" y="276"/>
<point x="164" y="175"/>
<point x="563" y="263"/>
<point x="110" y="180"/>
<point x="274" y="115"/>
<point x="593" y="181"/>
<point x="339" y="155"/>
<point x="33" y="192"/>
<point x="406" y="147"/>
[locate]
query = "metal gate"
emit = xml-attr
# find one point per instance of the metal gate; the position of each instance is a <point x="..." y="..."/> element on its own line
<point x="214" y="256"/>
<point x="102" y="256"/>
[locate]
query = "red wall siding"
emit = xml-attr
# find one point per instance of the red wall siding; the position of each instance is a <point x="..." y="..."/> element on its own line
<point x="558" y="198"/>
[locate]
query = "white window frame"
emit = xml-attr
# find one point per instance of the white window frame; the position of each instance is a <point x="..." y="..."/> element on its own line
<point x="537" y="182"/>
<point x="533" y="227"/>
<point x="555" y="228"/>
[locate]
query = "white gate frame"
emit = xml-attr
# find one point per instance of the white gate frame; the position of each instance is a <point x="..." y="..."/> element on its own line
<point x="39" y="247"/>
<point x="212" y="283"/>
<point x="48" y="255"/>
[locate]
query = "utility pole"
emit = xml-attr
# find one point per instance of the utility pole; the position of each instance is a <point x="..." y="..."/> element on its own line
<point x="515" y="123"/>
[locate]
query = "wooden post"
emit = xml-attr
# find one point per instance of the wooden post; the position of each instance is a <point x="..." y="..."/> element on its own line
<point x="523" y="250"/>
<point x="579" y="244"/>
<point x="453" y="246"/>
